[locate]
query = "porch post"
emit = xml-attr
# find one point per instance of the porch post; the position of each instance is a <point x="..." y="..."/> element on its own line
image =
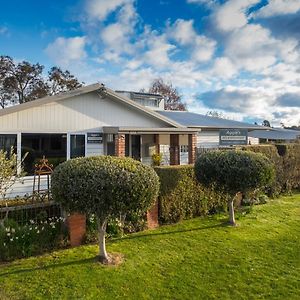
<point x="156" y="141"/>
<point x="192" y="148"/>
<point x="19" y="152"/>
<point x="174" y="149"/>
<point x="120" y="145"/>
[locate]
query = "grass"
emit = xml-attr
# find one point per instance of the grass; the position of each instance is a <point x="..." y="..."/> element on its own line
<point x="196" y="259"/>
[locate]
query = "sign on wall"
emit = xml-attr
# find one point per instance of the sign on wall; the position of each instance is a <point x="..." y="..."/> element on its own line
<point x="94" y="138"/>
<point x="230" y="137"/>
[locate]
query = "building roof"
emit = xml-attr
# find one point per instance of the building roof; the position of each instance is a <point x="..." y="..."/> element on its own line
<point x="275" y="134"/>
<point x="190" y="119"/>
<point x="97" y="87"/>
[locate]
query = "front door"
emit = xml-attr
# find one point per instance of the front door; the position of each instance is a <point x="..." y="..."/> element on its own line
<point x="136" y="147"/>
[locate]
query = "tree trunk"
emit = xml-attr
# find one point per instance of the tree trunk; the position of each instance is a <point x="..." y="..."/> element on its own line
<point x="231" y="212"/>
<point x="103" y="257"/>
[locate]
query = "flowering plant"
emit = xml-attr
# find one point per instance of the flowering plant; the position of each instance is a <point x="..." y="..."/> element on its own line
<point x="33" y="238"/>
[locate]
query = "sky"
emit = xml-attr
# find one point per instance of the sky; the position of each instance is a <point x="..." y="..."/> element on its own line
<point x="238" y="57"/>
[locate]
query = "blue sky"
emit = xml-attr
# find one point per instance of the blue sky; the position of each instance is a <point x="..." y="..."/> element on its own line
<point x="239" y="57"/>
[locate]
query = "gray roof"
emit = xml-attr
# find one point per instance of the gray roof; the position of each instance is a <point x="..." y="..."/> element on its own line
<point x="275" y="134"/>
<point x="190" y="119"/>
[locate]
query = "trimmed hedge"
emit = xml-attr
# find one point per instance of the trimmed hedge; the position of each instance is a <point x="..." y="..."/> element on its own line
<point x="286" y="158"/>
<point x="182" y="197"/>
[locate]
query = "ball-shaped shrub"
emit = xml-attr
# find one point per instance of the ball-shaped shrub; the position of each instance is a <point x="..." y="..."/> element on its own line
<point x="234" y="171"/>
<point x="105" y="186"/>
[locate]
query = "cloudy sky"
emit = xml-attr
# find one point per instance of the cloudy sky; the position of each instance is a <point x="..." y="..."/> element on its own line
<point x="239" y="57"/>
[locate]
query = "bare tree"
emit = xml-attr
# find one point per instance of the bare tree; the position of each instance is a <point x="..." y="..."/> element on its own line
<point x="173" y="100"/>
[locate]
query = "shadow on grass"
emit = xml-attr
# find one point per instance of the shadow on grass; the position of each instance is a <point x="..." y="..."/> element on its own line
<point x="53" y="266"/>
<point x="154" y="234"/>
<point x="93" y="259"/>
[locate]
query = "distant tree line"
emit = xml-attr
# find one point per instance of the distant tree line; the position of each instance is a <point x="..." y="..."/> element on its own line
<point x="22" y="82"/>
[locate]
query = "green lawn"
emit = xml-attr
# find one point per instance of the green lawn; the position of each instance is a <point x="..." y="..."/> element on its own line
<point x="196" y="259"/>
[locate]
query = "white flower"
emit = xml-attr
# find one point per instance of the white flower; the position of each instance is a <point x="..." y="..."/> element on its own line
<point x="8" y="234"/>
<point x="31" y="222"/>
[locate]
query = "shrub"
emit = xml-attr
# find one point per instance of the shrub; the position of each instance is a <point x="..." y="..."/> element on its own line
<point x="156" y="159"/>
<point x="234" y="171"/>
<point x="286" y="159"/>
<point x="105" y="186"/>
<point x="9" y="167"/>
<point x="182" y="197"/>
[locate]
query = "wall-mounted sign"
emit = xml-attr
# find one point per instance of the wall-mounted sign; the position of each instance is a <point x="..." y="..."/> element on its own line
<point x="94" y="138"/>
<point x="230" y="137"/>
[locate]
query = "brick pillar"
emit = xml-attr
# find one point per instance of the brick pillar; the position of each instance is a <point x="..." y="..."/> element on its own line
<point x="174" y="149"/>
<point x="192" y="148"/>
<point x="152" y="216"/>
<point x="120" y="145"/>
<point x="156" y="141"/>
<point x="77" y="228"/>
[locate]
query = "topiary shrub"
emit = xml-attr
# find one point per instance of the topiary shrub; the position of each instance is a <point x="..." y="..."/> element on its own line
<point x="106" y="187"/>
<point x="234" y="171"/>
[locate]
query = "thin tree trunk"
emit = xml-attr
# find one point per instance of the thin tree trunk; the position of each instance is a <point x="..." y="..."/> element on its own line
<point x="102" y="246"/>
<point x="231" y="212"/>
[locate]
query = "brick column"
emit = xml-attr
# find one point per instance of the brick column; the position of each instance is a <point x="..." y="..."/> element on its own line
<point x="174" y="149"/>
<point x="120" y="145"/>
<point x="156" y="141"/>
<point x="152" y="216"/>
<point x="192" y="148"/>
<point x="77" y="228"/>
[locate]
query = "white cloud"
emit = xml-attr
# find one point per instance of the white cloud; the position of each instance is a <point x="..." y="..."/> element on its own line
<point x="100" y="9"/>
<point x="252" y="48"/>
<point x="64" y="51"/>
<point x="201" y="47"/>
<point x="204" y="49"/>
<point x="278" y="7"/>
<point x="224" y="68"/>
<point x="158" y="53"/>
<point x="183" y="32"/>
<point x="116" y="36"/>
<point x="232" y="14"/>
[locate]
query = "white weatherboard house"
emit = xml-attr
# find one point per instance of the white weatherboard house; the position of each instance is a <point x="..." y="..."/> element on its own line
<point x="95" y="120"/>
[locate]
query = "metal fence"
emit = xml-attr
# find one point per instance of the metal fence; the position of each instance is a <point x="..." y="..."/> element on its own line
<point x="26" y="211"/>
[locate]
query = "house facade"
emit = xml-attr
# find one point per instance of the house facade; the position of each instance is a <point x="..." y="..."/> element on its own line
<point x="95" y="120"/>
<point x="92" y="120"/>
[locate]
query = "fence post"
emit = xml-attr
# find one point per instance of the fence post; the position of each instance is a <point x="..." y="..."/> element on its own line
<point x="76" y="223"/>
<point x="152" y="216"/>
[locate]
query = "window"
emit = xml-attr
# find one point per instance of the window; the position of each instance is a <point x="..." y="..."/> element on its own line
<point x="77" y="148"/>
<point x="184" y="148"/>
<point x="52" y="146"/>
<point x="7" y="141"/>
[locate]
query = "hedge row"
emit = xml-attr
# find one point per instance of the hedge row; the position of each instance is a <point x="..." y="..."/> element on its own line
<point x="181" y="197"/>
<point x="286" y="158"/>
